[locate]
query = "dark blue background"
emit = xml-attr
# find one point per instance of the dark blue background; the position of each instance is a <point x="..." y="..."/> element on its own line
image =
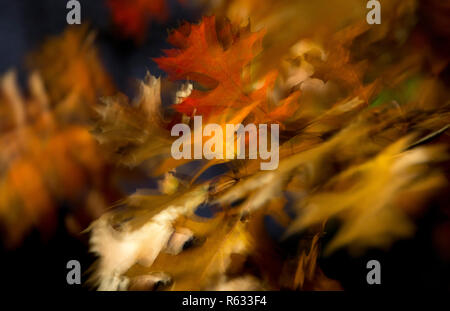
<point x="24" y="24"/>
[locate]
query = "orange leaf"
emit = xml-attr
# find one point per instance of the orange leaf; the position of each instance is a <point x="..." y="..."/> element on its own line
<point x="213" y="59"/>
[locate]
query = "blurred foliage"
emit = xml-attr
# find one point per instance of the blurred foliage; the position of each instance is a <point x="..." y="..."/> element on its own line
<point x="363" y="111"/>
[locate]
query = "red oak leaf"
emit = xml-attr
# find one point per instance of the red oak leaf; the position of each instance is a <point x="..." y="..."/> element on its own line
<point x="215" y="60"/>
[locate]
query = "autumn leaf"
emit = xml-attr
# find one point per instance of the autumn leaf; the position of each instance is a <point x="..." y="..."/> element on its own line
<point x="40" y="152"/>
<point x="213" y="59"/>
<point x="371" y="220"/>
<point x="132" y="17"/>
<point x="134" y="132"/>
<point x="202" y="266"/>
<point x="148" y="225"/>
<point x="73" y="74"/>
